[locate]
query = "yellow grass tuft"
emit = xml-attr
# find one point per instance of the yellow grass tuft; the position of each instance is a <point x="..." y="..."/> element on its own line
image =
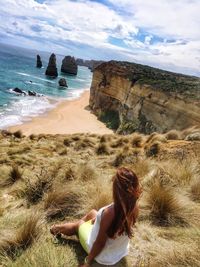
<point x="173" y="135"/>
<point x="102" y="149"/>
<point x="61" y="202"/>
<point x="195" y="189"/>
<point x="165" y="207"/>
<point x="14" y="242"/>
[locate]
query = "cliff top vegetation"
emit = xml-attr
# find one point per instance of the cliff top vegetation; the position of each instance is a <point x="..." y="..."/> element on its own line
<point x="154" y="77"/>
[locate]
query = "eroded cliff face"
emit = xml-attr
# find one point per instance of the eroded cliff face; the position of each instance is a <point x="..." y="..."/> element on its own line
<point x="145" y="99"/>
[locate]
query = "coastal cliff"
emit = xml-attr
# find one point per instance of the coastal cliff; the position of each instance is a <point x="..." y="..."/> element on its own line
<point x="132" y="97"/>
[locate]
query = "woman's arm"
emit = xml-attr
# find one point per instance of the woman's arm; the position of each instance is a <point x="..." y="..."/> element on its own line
<point x="106" y="220"/>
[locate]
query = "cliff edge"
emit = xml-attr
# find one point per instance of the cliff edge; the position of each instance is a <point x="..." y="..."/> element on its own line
<point x="132" y="97"/>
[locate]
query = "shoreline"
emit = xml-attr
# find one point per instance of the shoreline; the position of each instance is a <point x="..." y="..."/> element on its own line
<point x="68" y="117"/>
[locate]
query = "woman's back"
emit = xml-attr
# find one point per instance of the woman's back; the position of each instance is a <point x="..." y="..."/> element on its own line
<point x="114" y="249"/>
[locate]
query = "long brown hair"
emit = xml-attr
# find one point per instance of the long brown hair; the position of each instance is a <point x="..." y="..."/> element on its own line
<point x="125" y="195"/>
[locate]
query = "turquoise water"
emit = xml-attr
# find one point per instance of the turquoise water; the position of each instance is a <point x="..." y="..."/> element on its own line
<point x="17" y="69"/>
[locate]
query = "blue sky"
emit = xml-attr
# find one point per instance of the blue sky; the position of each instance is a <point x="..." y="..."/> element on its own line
<point x="160" y="33"/>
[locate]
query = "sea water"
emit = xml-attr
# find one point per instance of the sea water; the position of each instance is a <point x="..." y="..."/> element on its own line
<point x="18" y="69"/>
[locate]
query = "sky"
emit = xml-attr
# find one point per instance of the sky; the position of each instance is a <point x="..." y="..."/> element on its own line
<point x="160" y="33"/>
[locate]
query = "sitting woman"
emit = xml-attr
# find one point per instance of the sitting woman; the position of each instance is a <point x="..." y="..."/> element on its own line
<point x="105" y="234"/>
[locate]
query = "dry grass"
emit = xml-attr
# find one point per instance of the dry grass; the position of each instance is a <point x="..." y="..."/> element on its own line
<point x="86" y="172"/>
<point x="103" y="149"/>
<point x="195" y="189"/>
<point x="35" y="188"/>
<point x="13" y="176"/>
<point x="78" y="180"/>
<point x="152" y="149"/>
<point x="164" y="205"/>
<point x="173" y="135"/>
<point x="61" y="202"/>
<point x="137" y="140"/>
<point x="18" y="134"/>
<point x="14" y="242"/>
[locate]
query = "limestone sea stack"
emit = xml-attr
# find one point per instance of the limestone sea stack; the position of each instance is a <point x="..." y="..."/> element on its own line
<point x="52" y="69"/>
<point x="39" y="62"/>
<point x="69" y="65"/>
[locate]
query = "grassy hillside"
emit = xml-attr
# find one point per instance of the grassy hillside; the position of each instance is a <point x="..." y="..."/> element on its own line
<point x="46" y="179"/>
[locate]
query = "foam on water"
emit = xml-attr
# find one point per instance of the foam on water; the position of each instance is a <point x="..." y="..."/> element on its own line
<point x="24" y="109"/>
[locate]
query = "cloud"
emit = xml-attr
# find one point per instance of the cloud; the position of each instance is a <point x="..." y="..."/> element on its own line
<point x="163" y="33"/>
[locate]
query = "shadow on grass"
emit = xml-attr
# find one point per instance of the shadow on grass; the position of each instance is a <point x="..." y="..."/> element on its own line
<point x="81" y="254"/>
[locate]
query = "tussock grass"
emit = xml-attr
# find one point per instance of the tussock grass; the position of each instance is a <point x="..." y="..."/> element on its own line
<point x="153" y="149"/>
<point x="67" y="141"/>
<point x="119" y="158"/>
<point x="35" y="188"/>
<point x="165" y="207"/>
<point x="18" y="134"/>
<point x="182" y="172"/>
<point x="61" y="202"/>
<point x="173" y="135"/>
<point x="103" y="149"/>
<point x="86" y="172"/>
<point x="195" y="189"/>
<point x="96" y="195"/>
<point x="137" y="140"/>
<point x="118" y="143"/>
<point x="14" y="175"/>
<point x="70" y="174"/>
<point x="13" y="243"/>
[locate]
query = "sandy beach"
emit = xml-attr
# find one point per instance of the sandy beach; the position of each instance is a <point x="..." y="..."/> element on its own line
<point x="70" y="116"/>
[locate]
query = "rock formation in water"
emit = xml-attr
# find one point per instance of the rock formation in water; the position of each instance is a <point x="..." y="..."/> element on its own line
<point x="51" y="68"/>
<point x="39" y="62"/>
<point x="63" y="82"/>
<point x="145" y="99"/>
<point x="19" y="91"/>
<point x="91" y="64"/>
<point x="69" y="65"/>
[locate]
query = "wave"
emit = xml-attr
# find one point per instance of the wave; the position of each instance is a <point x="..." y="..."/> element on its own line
<point x="23" y="74"/>
<point x="24" y="109"/>
<point x="35" y="77"/>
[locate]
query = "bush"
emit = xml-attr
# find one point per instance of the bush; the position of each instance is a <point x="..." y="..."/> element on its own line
<point x="110" y="118"/>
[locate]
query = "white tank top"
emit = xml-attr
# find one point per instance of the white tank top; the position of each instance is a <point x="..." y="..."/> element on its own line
<point x="114" y="249"/>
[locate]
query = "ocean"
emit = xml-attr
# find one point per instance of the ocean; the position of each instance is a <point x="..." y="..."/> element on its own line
<point x="18" y="69"/>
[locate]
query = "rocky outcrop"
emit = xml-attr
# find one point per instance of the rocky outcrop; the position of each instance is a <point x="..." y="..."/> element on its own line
<point x="51" y="68"/>
<point x="39" y="62"/>
<point x="19" y="91"/>
<point x="144" y="99"/>
<point x="69" y="65"/>
<point x="91" y="64"/>
<point x="62" y="82"/>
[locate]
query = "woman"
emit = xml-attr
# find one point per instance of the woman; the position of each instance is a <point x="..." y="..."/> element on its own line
<point x="105" y="234"/>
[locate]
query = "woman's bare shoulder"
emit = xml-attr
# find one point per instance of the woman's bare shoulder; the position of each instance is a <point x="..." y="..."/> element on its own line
<point x="108" y="213"/>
